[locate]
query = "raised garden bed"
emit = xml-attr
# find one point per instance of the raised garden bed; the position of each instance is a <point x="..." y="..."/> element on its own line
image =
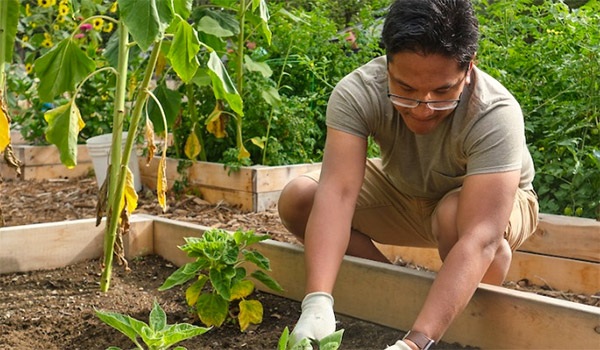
<point x="43" y="162"/>
<point x="255" y="188"/>
<point x="496" y="317"/>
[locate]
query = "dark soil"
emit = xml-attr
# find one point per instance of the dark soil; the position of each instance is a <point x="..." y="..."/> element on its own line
<point x="54" y="309"/>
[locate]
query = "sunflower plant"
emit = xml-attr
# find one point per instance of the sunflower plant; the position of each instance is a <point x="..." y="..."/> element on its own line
<point x="68" y="66"/>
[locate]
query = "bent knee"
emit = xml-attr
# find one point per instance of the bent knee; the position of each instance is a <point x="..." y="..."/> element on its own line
<point x="295" y="204"/>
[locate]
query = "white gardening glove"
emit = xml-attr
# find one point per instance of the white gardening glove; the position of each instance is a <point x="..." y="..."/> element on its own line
<point x="400" y="345"/>
<point x="317" y="319"/>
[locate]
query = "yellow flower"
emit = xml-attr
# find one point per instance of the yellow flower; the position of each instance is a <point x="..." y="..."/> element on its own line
<point x="47" y="43"/>
<point x="29" y="68"/>
<point x="63" y="10"/>
<point x="60" y="19"/>
<point x="108" y="27"/>
<point x="53" y="2"/>
<point x="55" y="27"/>
<point x="25" y="38"/>
<point x="33" y="25"/>
<point x="104" y="97"/>
<point x="47" y="36"/>
<point x="45" y="3"/>
<point x="113" y="8"/>
<point x="27" y="10"/>
<point x="98" y="22"/>
<point x="64" y="2"/>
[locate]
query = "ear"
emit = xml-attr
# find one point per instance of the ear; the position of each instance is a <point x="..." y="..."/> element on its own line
<point x="469" y="70"/>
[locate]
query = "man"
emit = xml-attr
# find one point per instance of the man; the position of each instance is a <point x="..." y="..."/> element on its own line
<point x="455" y="172"/>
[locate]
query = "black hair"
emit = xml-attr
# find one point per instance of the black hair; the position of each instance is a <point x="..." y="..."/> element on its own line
<point x="444" y="27"/>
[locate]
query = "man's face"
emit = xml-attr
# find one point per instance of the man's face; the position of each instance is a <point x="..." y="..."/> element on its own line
<point x="427" y="78"/>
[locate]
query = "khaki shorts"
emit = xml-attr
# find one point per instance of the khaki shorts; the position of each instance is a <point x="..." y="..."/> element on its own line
<point x="389" y="216"/>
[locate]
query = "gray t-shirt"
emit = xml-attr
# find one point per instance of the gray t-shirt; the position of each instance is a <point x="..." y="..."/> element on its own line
<point x="484" y="134"/>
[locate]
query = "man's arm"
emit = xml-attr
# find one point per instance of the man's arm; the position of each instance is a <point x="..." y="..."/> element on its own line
<point x="328" y="228"/>
<point x="484" y="207"/>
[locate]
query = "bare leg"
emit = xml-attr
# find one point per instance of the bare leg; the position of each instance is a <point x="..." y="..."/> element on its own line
<point x="444" y="228"/>
<point x="295" y="204"/>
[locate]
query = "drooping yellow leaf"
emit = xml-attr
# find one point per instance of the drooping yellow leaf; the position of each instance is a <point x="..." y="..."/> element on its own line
<point x="4" y="128"/>
<point x="217" y="121"/>
<point x="258" y="141"/>
<point x="242" y="289"/>
<point x="194" y="291"/>
<point x="129" y="194"/>
<point x="243" y="153"/>
<point x="161" y="182"/>
<point x="251" y="311"/>
<point x="192" y="145"/>
<point x="150" y="141"/>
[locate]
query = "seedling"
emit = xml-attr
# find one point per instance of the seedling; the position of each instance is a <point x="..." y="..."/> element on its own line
<point x="157" y="335"/>
<point x="330" y="342"/>
<point x="219" y="252"/>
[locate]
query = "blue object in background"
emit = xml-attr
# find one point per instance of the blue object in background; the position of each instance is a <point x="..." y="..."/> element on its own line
<point x="47" y="106"/>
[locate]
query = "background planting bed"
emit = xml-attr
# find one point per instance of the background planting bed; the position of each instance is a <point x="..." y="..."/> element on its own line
<point x="381" y="293"/>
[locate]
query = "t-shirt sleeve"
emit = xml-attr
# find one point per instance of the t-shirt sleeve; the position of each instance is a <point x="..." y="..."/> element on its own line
<point x="349" y="107"/>
<point x="495" y="141"/>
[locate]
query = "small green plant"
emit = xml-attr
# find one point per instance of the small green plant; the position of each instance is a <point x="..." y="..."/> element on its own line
<point x="157" y="335"/>
<point x="218" y="252"/>
<point x="330" y="342"/>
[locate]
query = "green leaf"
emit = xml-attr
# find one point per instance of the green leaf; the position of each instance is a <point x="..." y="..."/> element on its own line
<point x="264" y="16"/>
<point x="113" y="348"/>
<point x="111" y="52"/>
<point x="64" y="125"/>
<point x="221" y="280"/>
<point x="271" y="96"/>
<point x="260" y="67"/>
<point x="257" y="259"/>
<point x="119" y="322"/>
<point x="224" y="3"/>
<point x="251" y="311"/>
<point x="201" y="78"/>
<point x="242" y="289"/>
<point x="212" y="309"/>
<point x="222" y="84"/>
<point x="283" y="340"/>
<point x="266" y="280"/>
<point x="182" y="275"/>
<point x="332" y="341"/>
<point x="303" y="344"/>
<point x="194" y="291"/>
<point x="183" y="51"/>
<point x="146" y="20"/>
<point x="11" y="28"/>
<point x="158" y="318"/>
<point x="170" y="100"/>
<point x="226" y="21"/>
<point x="211" y="26"/>
<point x="180" y="332"/>
<point x="183" y="7"/>
<point x="61" y="68"/>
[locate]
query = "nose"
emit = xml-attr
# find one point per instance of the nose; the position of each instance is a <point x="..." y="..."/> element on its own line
<point x="422" y="112"/>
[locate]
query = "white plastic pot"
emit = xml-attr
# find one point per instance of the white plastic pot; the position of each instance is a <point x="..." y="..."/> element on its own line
<point x="99" y="150"/>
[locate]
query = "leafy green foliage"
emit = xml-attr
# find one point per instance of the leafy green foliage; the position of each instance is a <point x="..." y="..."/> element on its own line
<point x="330" y="342"/>
<point x="548" y="56"/>
<point x="222" y="253"/>
<point x="157" y="335"/>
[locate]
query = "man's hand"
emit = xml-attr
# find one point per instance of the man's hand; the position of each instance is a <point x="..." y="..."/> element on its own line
<point x="400" y="345"/>
<point x="317" y="319"/>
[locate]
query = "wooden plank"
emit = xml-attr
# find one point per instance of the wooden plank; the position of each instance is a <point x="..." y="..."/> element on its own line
<point x="558" y="273"/>
<point x="47" y="155"/>
<point x="263" y="201"/>
<point x="56" y="171"/>
<point x="215" y="175"/>
<point x="58" y="244"/>
<point x="391" y="295"/>
<point x="274" y="178"/>
<point x="566" y="236"/>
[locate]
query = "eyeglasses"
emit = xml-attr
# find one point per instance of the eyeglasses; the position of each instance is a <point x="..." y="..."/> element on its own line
<point x="440" y="105"/>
